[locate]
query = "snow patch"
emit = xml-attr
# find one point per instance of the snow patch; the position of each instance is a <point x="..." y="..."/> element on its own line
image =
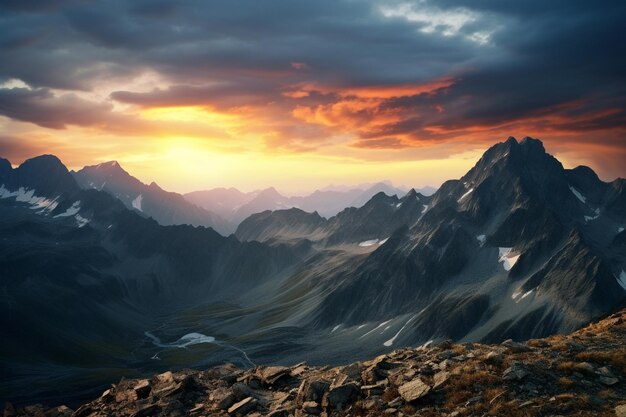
<point x="193" y="339"/>
<point x="137" y="202"/>
<point x="621" y="280"/>
<point x="465" y="195"/>
<point x="382" y="242"/>
<point x="620" y="229"/>
<point x="24" y="195"/>
<point x="376" y="328"/>
<point x="335" y="328"/>
<point x="518" y="296"/>
<point x="425" y="208"/>
<point x="73" y="210"/>
<point x="81" y="221"/>
<point x="577" y="194"/>
<point x="507" y="258"/>
<point x="398" y="205"/>
<point x="590" y="218"/>
<point x="367" y="243"/>
<point x="481" y="239"/>
<point x="425" y="345"/>
<point x="390" y="341"/>
<point x="187" y="340"/>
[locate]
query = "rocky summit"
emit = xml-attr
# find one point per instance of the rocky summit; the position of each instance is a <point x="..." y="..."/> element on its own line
<point x="581" y="374"/>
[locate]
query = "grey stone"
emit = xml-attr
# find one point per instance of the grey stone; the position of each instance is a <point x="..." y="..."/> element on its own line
<point x="337" y="397"/>
<point x="608" y="380"/>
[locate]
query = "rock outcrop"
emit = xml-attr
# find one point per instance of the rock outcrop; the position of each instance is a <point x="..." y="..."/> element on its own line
<point x="580" y="374"/>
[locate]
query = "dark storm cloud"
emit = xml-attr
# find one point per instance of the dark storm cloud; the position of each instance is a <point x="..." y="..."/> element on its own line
<point x="510" y="60"/>
<point x="43" y="108"/>
<point x="222" y="96"/>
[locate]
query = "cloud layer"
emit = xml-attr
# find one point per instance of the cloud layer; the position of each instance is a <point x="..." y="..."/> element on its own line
<point x="401" y="80"/>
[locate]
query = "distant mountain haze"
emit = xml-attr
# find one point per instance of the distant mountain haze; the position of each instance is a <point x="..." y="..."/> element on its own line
<point x="221" y="208"/>
<point x="237" y="206"/>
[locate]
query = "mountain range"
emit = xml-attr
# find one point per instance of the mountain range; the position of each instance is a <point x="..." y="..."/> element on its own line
<point x="517" y="248"/>
<point x="236" y="206"/>
<point x="167" y="208"/>
<point x="220" y="208"/>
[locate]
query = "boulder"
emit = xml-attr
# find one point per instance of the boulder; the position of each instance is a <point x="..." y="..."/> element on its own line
<point x="311" y="407"/>
<point x="242" y="391"/>
<point x="271" y="374"/>
<point x="107" y="395"/>
<point x="515" y="372"/>
<point x="414" y="390"/>
<point x="243" y="407"/>
<point x="515" y="347"/>
<point x="142" y="388"/>
<point x="222" y="398"/>
<point x="60" y="411"/>
<point x="493" y="357"/>
<point x="311" y="391"/>
<point x="585" y="368"/>
<point x="338" y="397"/>
<point x="440" y="379"/>
<point x="608" y="381"/>
<point x="165" y="378"/>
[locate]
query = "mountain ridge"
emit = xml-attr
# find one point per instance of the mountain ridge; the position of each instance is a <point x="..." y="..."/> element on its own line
<point x="168" y="208"/>
<point x="488" y="252"/>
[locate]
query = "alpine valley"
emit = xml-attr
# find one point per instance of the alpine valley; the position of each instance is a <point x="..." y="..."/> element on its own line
<point x="103" y="277"/>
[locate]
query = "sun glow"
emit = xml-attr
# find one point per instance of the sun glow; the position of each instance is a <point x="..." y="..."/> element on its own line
<point x="192" y="114"/>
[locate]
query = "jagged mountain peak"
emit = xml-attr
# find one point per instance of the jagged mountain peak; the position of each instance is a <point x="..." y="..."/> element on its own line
<point x="382" y="196"/>
<point x="46" y="161"/>
<point x="155" y="186"/>
<point x="109" y="165"/>
<point x="110" y="168"/>
<point x="412" y="193"/>
<point x="508" y="173"/>
<point x="269" y="192"/>
<point x="46" y="174"/>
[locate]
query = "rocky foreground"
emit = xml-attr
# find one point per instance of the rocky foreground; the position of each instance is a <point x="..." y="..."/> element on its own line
<point x="582" y="374"/>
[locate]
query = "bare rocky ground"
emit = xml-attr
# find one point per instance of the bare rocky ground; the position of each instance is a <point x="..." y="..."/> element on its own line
<point x="582" y="374"/>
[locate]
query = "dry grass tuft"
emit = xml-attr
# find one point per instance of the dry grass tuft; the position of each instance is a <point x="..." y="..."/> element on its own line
<point x="616" y="358"/>
<point x="566" y="383"/>
<point x="464" y="386"/>
<point x="390" y="394"/>
<point x="567" y="366"/>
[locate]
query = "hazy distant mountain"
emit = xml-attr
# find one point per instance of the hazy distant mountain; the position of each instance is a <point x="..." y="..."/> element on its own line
<point x="373" y="222"/>
<point x="519" y="247"/>
<point x="236" y="206"/>
<point x="165" y="207"/>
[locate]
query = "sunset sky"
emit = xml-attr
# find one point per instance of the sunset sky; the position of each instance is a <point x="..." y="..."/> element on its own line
<point x="301" y="94"/>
